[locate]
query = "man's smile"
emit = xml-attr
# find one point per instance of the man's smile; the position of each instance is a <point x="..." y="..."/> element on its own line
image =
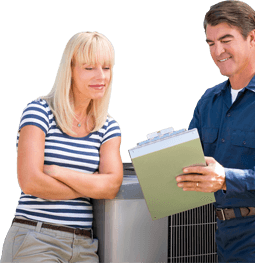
<point x="225" y="59"/>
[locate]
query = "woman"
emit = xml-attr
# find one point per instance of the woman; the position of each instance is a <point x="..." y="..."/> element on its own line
<point x="68" y="152"/>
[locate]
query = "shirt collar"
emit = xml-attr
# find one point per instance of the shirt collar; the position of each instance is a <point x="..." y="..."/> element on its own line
<point x="226" y="84"/>
<point x="251" y="85"/>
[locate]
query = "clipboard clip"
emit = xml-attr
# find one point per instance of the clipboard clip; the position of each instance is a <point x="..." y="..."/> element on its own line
<point x="159" y="134"/>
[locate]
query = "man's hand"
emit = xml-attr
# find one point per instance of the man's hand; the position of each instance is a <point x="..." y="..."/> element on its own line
<point x="210" y="178"/>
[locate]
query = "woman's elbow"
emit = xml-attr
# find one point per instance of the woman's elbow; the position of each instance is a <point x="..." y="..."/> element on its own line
<point x="22" y="183"/>
<point x="26" y="187"/>
<point x="114" y="189"/>
<point x="26" y="184"/>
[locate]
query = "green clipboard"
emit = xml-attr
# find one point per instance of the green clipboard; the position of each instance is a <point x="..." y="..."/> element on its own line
<point x="158" y="160"/>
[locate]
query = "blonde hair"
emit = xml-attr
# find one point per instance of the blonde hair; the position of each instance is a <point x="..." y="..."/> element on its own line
<point x="90" y="48"/>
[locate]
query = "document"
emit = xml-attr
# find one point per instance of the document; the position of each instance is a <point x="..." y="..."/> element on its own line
<point x="158" y="160"/>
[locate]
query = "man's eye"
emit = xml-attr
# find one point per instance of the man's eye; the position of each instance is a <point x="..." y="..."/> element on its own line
<point x="225" y="41"/>
<point x="211" y="44"/>
<point x="88" y="68"/>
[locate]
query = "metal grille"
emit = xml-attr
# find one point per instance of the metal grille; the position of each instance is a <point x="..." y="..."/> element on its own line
<point x="191" y="236"/>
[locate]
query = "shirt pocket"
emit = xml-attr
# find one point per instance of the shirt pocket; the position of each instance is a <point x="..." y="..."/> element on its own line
<point x="209" y="140"/>
<point x="243" y="139"/>
<point x="243" y="143"/>
<point x="209" y="135"/>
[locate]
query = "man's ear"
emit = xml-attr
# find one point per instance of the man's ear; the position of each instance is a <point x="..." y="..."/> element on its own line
<point x="252" y="38"/>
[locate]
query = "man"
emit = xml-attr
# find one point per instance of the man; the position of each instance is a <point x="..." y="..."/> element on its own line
<point x="225" y="119"/>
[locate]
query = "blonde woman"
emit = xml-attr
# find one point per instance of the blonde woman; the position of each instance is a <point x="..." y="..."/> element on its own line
<point x="68" y="152"/>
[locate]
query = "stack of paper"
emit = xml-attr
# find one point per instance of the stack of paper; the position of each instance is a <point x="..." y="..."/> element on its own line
<point x="158" y="161"/>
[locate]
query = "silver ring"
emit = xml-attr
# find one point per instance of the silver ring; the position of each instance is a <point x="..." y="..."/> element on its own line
<point x="197" y="184"/>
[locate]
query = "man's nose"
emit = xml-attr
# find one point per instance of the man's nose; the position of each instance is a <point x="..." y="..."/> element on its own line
<point x="219" y="49"/>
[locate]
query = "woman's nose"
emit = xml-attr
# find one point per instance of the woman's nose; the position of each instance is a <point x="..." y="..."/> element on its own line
<point x="100" y="73"/>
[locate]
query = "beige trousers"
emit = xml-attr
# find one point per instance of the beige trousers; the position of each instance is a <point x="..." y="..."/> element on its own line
<point x="31" y="244"/>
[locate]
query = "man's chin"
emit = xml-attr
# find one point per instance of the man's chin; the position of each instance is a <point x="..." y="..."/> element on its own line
<point x="225" y="73"/>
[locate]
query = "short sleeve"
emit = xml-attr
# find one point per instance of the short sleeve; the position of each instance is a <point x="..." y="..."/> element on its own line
<point x="111" y="130"/>
<point x="36" y="113"/>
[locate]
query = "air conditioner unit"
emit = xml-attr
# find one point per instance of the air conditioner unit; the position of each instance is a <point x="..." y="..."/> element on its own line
<point x="127" y="233"/>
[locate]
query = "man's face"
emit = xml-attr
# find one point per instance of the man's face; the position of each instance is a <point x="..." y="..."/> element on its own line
<point x="230" y="52"/>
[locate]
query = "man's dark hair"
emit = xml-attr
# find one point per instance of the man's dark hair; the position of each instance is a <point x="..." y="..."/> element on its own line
<point x="234" y="13"/>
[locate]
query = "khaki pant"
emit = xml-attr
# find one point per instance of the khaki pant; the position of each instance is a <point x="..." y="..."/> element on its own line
<point x="31" y="244"/>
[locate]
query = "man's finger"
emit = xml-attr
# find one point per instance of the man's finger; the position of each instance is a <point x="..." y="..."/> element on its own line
<point x="210" y="161"/>
<point x="195" y="169"/>
<point x="192" y="178"/>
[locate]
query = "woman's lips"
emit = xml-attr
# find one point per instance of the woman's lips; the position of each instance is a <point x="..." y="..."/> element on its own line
<point x="97" y="86"/>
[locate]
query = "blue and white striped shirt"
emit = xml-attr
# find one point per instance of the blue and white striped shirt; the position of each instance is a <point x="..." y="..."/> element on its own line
<point x="80" y="154"/>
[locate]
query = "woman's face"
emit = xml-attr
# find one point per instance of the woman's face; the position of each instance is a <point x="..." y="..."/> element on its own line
<point x="90" y="81"/>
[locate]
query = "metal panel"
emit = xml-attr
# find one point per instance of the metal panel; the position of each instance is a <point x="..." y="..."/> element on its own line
<point x="192" y="236"/>
<point x="125" y="230"/>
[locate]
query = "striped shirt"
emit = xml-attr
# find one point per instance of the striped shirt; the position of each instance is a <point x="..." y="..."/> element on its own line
<point x="80" y="154"/>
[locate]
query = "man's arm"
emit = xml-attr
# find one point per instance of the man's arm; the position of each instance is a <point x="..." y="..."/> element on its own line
<point x="214" y="177"/>
<point x="239" y="181"/>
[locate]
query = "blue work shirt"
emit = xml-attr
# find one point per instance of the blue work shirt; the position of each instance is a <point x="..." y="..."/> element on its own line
<point x="227" y="133"/>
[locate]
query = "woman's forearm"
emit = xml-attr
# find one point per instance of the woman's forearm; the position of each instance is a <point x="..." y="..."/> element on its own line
<point x="97" y="186"/>
<point x="43" y="186"/>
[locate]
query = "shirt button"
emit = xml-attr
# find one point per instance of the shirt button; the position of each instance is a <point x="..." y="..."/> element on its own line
<point x="229" y="115"/>
<point x="244" y="142"/>
<point x="223" y="140"/>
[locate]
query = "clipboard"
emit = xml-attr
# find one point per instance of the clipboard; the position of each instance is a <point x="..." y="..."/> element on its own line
<point x="158" y="160"/>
